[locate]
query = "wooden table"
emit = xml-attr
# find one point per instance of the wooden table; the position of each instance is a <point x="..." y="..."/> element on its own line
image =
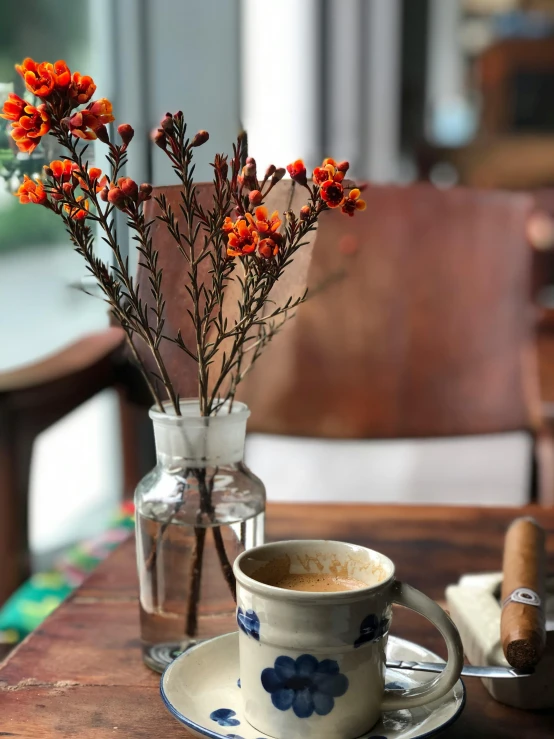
<point x="81" y="675"/>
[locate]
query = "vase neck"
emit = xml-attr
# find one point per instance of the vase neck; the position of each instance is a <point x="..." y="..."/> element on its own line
<point x="191" y="440"/>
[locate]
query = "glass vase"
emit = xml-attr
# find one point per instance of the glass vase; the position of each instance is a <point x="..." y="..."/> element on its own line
<point x="196" y="511"/>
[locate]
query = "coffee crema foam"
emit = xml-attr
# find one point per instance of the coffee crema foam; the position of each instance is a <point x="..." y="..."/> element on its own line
<point x="317" y="583"/>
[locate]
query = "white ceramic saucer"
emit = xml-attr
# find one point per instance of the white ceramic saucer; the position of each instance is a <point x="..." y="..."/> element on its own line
<point x="201" y="688"/>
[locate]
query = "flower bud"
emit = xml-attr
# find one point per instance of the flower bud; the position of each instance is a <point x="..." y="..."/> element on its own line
<point x="200" y="138"/>
<point x="159" y="138"/>
<point x="167" y="123"/>
<point x="255" y="197"/>
<point x="304" y="212"/>
<point x="278" y="175"/>
<point x="270" y="171"/>
<point x="126" y="131"/>
<point x="145" y="192"/>
<point x="48" y="171"/>
<point x="103" y="194"/>
<point x="128" y="186"/>
<point x="249" y="170"/>
<point x="116" y="197"/>
<point x="343" y="166"/>
<point x="102" y="134"/>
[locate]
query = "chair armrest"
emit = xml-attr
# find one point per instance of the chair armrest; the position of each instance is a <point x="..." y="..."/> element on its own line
<point x="84" y="354"/>
<point x="49" y="389"/>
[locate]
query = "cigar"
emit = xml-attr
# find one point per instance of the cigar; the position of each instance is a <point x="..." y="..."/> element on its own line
<point x="522" y="626"/>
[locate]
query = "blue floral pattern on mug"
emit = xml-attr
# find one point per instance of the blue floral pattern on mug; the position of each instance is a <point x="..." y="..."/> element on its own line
<point x="224" y="717"/>
<point x="372" y="629"/>
<point x="249" y="623"/>
<point x="305" y="684"/>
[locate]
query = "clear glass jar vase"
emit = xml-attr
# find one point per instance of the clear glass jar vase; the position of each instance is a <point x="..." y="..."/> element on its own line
<point x="196" y="511"/>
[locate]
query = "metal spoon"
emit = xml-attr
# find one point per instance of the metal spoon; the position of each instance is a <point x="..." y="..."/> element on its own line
<point x="467" y="671"/>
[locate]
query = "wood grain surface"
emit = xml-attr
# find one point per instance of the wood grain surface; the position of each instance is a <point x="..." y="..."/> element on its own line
<point x="80" y="674"/>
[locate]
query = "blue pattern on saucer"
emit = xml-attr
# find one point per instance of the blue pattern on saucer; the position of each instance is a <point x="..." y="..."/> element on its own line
<point x="224" y="717"/>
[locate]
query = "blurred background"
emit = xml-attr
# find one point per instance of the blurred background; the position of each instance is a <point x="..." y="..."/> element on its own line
<point x="454" y="92"/>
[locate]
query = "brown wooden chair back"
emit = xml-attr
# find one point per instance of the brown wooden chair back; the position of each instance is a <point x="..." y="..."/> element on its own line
<point x="430" y="333"/>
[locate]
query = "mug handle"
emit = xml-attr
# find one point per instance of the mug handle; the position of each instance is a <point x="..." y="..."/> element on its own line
<point x="405" y="595"/>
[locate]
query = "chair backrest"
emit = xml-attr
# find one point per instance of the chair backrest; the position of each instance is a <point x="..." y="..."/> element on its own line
<point x="429" y="334"/>
<point x="510" y="73"/>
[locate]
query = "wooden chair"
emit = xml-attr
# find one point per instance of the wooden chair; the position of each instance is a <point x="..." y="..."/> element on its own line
<point x="32" y="399"/>
<point x="430" y="334"/>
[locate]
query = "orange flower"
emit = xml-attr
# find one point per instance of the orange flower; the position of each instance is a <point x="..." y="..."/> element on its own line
<point x="228" y="225"/>
<point x="242" y="238"/>
<point x="263" y="224"/>
<point x="61" y="171"/>
<point x="85" y="123"/>
<point x="297" y="172"/>
<point x="31" y="126"/>
<point x="82" y="88"/>
<point x="78" y="213"/>
<point x="268" y="248"/>
<point x="332" y="193"/>
<point x="353" y="203"/>
<point x="62" y="75"/>
<point x="322" y="174"/>
<point x="13" y="107"/>
<point x="96" y="178"/>
<point x="102" y="109"/>
<point x="31" y="191"/>
<point x="39" y="78"/>
<point x="330" y="170"/>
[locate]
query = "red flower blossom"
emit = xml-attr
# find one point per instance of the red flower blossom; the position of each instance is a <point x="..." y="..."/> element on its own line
<point x="31" y="191"/>
<point x="297" y="172"/>
<point x="96" y="178"/>
<point x="330" y="170"/>
<point x="82" y="88"/>
<point x="39" y="78"/>
<point x="62" y="75"/>
<point x="85" y="123"/>
<point x="242" y="237"/>
<point x="78" y="213"/>
<point x="268" y="248"/>
<point x="353" y="202"/>
<point x="322" y="174"/>
<point x="332" y="193"/>
<point x="263" y="224"/>
<point x="13" y="107"/>
<point x="31" y="126"/>
<point x="61" y="171"/>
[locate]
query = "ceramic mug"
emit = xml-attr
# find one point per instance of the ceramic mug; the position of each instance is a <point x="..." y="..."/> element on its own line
<point x="312" y="664"/>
